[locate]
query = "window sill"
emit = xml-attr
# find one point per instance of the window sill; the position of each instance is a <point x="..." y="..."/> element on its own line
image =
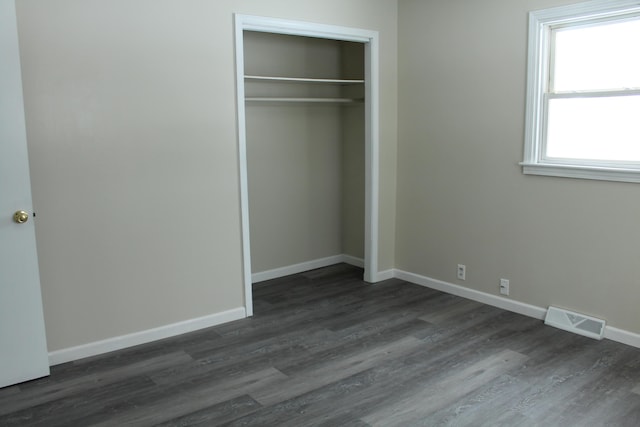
<point x="582" y="172"/>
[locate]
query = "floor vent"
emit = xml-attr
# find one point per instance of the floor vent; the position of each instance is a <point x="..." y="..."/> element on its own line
<point x="575" y="322"/>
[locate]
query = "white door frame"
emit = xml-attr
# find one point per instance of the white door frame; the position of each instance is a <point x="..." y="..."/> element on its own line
<point x="298" y="28"/>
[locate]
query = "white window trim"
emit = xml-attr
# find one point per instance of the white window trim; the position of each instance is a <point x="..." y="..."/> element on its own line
<point x="540" y="23"/>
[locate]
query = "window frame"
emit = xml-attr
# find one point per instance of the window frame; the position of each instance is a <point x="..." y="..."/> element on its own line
<point x="540" y="55"/>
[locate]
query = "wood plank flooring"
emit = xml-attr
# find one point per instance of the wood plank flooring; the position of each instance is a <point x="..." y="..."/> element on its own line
<point x="326" y="349"/>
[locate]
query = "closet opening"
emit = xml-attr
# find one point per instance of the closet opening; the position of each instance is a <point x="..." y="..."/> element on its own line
<point x="308" y="147"/>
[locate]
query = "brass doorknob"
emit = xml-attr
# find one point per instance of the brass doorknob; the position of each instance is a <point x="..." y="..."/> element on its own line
<point x="21" y="217"/>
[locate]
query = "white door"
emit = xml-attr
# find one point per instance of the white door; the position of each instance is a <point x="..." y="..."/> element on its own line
<point x="23" y="347"/>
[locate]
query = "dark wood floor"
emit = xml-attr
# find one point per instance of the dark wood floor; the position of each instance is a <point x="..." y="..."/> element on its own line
<point x="326" y="349"/>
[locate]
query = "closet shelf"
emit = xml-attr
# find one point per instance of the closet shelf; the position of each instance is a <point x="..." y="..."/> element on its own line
<point x="302" y="80"/>
<point x="320" y="100"/>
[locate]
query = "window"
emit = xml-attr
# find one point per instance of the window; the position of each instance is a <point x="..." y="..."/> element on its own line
<point x="583" y="93"/>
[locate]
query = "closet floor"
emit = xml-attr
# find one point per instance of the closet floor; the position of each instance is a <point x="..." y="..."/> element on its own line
<point x="325" y="348"/>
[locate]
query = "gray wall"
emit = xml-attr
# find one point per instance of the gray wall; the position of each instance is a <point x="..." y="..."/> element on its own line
<point x="353" y="164"/>
<point x="462" y="197"/>
<point x="130" y="108"/>
<point x="131" y="123"/>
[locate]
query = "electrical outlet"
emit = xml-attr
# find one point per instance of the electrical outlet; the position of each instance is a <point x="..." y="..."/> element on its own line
<point x="504" y="286"/>
<point x="462" y="271"/>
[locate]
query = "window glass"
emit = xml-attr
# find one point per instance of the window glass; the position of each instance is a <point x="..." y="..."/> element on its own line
<point x="599" y="128"/>
<point x="597" y="57"/>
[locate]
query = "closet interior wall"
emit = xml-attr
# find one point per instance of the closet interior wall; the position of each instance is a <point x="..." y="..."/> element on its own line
<point x="306" y="166"/>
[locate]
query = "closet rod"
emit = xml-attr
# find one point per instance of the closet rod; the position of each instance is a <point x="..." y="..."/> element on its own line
<point x="320" y="100"/>
<point x="302" y="80"/>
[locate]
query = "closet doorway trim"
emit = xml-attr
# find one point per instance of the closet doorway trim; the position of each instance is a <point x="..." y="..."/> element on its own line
<point x="297" y="28"/>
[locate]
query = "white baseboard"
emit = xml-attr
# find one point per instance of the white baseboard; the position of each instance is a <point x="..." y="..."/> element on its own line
<point x="612" y="333"/>
<point x="351" y="260"/>
<point x="385" y="275"/>
<point x="118" y="343"/>
<point x="472" y="294"/>
<point x="305" y="266"/>
<point x="620" y="335"/>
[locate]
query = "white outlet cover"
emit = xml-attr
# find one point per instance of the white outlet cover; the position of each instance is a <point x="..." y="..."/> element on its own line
<point x="504" y="286"/>
<point x="462" y="271"/>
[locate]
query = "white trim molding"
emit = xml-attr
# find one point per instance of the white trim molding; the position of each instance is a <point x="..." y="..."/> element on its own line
<point x="385" y="275"/>
<point x="306" y="266"/>
<point x="124" y="341"/>
<point x="612" y="333"/>
<point x="583" y="172"/>
<point x="472" y="294"/>
<point x="542" y="24"/>
<point x="351" y="260"/>
<point x="620" y="335"/>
